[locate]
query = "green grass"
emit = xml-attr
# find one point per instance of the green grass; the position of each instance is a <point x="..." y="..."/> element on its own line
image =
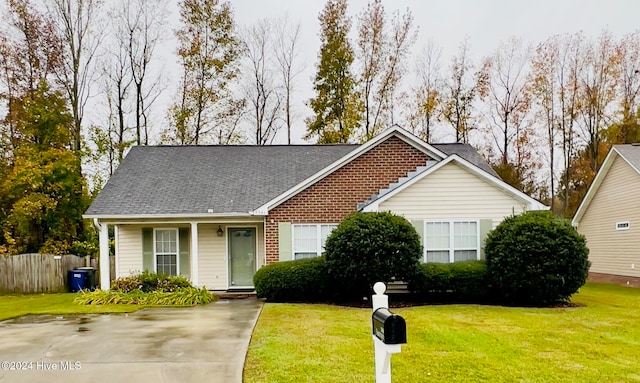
<point x="597" y="342"/>
<point x="12" y="306"/>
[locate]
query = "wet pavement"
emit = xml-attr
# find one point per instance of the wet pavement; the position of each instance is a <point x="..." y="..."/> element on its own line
<point x="196" y="344"/>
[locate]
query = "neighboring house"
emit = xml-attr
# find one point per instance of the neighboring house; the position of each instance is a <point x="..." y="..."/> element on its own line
<point x="218" y="213"/>
<point x="609" y="217"/>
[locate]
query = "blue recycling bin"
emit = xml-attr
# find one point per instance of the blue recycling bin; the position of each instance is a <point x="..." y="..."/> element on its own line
<point x="83" y="278"/>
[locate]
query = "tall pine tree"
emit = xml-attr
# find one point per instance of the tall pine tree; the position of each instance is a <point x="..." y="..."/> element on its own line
<point x="336" y="107"/>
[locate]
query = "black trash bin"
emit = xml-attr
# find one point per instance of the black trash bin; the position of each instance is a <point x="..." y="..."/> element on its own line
<point x="82" y="278"/>
<point x="91" y="277"/>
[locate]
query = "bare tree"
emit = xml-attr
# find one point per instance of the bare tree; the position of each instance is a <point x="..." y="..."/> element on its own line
<point x="598" y="91"/>
<point x="80" y="30"/>
<point x="143" y="22"/>
<point x="371" y="49"/>
<point x="286" y="52"/>
<point x="117" y="89"/>
<point x="208" y="49"/>
<point x="261" y="89"/>
<point x="508" y="103"/>
<point x="461" y="88"/>
<point x="382" y="54"/>
<point x="424" y="105"/>
<point x="506" y="95"/>
<point x="570" y="66"/>
<point x="544" y="93"/>
<point x="629" y="50"/>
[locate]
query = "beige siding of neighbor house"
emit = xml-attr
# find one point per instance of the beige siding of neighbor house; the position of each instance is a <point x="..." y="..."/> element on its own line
<point x="129" y="257"/>
<point x="453" y="192"/>
<point x="614" y="251"/>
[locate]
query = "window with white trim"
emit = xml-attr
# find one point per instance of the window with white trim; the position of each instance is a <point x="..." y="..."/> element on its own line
<point x="451" y="241"/>
<point x="166" y="251"/>
<point x="308" y="240"/>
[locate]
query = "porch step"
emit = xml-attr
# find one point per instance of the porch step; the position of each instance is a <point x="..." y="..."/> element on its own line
<point x="235" y="294"/>
<point x="397" y="287"/>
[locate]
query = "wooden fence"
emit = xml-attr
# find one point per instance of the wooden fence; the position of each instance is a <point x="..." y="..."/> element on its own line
<point x="41" y="273"/>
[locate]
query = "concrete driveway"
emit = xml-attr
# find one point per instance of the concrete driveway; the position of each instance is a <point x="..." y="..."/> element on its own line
<point x="198" y="344"/>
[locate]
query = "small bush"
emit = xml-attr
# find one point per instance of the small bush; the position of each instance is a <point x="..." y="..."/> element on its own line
<point x="126" y="284"/>
<point x="370" y="247"/>
<point x="302" y="280"/>
<point x="186" y="296"/>
<point x="536" y="259"/>
<point x="148" y="282"/>
<point x="454" y="282"/>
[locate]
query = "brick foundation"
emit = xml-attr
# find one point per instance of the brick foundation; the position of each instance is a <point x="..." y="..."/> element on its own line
<point x="332" y="198"/>
<point x="615" y="279"/>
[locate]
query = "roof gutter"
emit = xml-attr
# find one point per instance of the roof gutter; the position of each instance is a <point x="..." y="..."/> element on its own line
<point x="155" y="216"/>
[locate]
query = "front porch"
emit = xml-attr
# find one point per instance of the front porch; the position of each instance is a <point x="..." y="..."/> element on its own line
<point x="219" y="254"/>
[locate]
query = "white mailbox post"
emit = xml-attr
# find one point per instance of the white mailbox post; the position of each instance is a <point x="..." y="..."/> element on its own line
<point x="389" y="333"/>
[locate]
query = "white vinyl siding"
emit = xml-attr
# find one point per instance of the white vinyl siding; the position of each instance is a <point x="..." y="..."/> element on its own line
<point x="614" y="251"/>
<point x="212" y="264"/>
<point x="452" y="192"/>
<point x="212" y="256"/>
<point x="451" y="241"/>
<point x="129" y="253"/>
<point x="308" y="240"/>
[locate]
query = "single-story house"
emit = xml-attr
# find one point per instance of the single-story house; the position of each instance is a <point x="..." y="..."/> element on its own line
<point x="218" y="213"/>
<point x="609" y="217"/>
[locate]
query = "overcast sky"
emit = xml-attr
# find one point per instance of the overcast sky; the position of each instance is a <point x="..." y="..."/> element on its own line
<point x="446" y="22"/>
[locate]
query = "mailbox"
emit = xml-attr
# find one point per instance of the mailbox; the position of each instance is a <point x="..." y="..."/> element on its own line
<point x="389" y="327"/>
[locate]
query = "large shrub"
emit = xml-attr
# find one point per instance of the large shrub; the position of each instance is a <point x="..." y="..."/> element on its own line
<point x="536" y="259"/>
<point x="452" y="282"/>
<point x="302" y="280"/>
<point x="370" y="247"/>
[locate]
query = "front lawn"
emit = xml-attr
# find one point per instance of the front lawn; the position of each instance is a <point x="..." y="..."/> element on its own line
<point x="12" y="306"/>
<point x="597" y="342"/>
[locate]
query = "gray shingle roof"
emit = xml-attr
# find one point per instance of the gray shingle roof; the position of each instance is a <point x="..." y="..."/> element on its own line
<point x="468" y="153"/>
<point x="631" y="152"/>
<point x="193" y="179"/>
<point x="185" y="180"/>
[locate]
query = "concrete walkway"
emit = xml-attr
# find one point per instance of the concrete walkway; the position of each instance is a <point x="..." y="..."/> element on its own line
<point x="198" y="344"/>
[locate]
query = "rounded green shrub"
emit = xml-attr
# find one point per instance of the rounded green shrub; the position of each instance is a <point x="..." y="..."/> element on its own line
<point x="370" y="247"/>
<point x="302" y="280"/>
<point x="536" y="259"/>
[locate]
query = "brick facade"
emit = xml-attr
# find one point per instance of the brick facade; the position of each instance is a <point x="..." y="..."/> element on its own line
<point x="332" y="198"/>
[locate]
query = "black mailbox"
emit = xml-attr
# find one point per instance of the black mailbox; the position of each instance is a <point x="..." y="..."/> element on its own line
<point x="389" y="327"/>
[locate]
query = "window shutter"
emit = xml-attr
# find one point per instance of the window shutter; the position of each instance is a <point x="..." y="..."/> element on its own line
<point x="184" y="241"/>
<point x="284" y="241"/>
<point x="418" y="224"/>
<point x="486" y="225"/>
<point x="147" y="249"/>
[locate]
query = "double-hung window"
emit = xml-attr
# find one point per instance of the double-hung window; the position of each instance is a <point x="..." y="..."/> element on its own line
<point x="451" y="241"/>
<point x="166" y="251"/>
<point x="308" y="240"/>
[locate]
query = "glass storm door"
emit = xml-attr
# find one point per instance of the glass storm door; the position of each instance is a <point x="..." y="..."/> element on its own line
<point x="242" y="256"/>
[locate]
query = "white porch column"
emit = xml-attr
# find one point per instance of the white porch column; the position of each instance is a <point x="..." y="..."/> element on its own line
<point x="194" y="253"/>
<point x="105" y="277"/>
